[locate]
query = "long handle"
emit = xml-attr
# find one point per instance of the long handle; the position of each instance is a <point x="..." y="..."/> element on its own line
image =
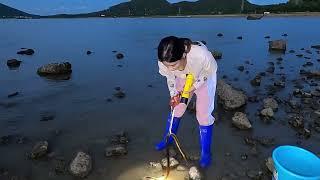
<point x="171" y="120"/>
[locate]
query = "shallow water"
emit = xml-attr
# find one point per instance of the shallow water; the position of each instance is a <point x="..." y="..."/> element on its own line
<point x="86" y="119"/>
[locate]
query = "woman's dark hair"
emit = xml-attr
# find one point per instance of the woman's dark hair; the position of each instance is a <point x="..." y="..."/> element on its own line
<point x="171" y="48"/>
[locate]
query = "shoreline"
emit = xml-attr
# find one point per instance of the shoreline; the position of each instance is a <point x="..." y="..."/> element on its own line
<point x="295" y="14"/>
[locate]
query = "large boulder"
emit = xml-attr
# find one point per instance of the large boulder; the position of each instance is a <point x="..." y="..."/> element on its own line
<point x="270" y="103"/>
<point x="55" y="69"/>
<point x="229" y="97"/>
<point x="81" y="165"/>
<point x="278" y="45"/>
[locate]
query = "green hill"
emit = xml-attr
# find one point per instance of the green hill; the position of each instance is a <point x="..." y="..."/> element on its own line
<point x="9" y="12"/>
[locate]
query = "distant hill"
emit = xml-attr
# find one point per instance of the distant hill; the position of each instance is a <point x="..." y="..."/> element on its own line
<point x="9" y="12"/>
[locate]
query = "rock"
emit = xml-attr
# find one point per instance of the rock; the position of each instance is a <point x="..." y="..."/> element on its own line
<point x="244" y="157"/>
<point x="270" y="164"/>
<point x="13" y="63"/>
<point x="285" y="35"/>
<point x="119" y="94"/>
<point x="120" y="56"/>
<point x="279" y="59"/>
<point x="55" y="69"/>
<point x="307" y="57"/>
<point x="278" y="45"/>
<point x="216" y="54"/>
<point x="270" y="103"/>
<point x="241" y="68"/>
<point x="256" y="81"/>
<point x="89" y="52"/>
<point x="266" y="141"/>
<point x="60" y="166"/>
<point x="256" y="175"/>
<point x="240" y="37"/>
<point x="194" y="158"/>
<point x="229" y="97"/>
<point x="267" y="112"/>
<point x="296" y="121"/>
<point x="47" y="117"/>
<point x="173" y="163"/>
<point x="299" y="55"/>
<point x="13" y="94"/>
<point x="194" y="173"/>
<point x="116" y="150"/>
<point x="219" y="34"/>
<point x="308" y="51"/>
<point x="26" y="52"/>
<point x="267" y="37"/>
<point x="120" y="138"/>
<point x="156" y="165"/>
<point x="81" y="165"/>
<point x="241" y="121"/>
<point x="292" y="51"/>
<point x="316" y="47"/>
<point x="39" y="150"/>
<point x="4" y="140"/>
<point x="315" y="93"/>
<point x="279" y="84"/>
<point x="270" y="69"/>
<point x="181" y="168"/>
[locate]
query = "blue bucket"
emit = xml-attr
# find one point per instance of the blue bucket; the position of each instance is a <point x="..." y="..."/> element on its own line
<point x="294" y="163"/>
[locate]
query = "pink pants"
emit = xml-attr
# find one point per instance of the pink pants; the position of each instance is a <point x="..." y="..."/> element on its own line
<point x="204" y="103"/>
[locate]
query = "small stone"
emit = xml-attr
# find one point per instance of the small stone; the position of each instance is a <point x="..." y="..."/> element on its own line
<point x="285" y="35"/>
<point x="266" y="141"/>
<point x="270" y="69"/>
<point x="117" y="88"/>
<point x="173" y="162"/>
<point x="13" y="94"/>
<point x="296" y="122"/>
<point x="270" y="103"/>
<point x="39" y="150"/>
<point x="267" y="112"/>
<point x="253" y="99"/>
<point x="240" y="37"/>
<point x="219" y="34"/>
<point x="299" y="55"/>
<point x="156" y="165"/>
<point x="279" y="59"/>
<point x="119" y="94"/>
<point x="270" y="164"/>
<point x="256" y="175"/>
<point x="292" y="51"/>
<point x="47" y="117"/>
<point x="181" y="168"/>
<point x="116" y="150"/>
<point x="89" y="52"/>
<point x="256" y="81"/>
<point x="241" y="68"/>
<point x="194" y="173"/>
<point x="241" y="121"/>
<point x="267" y="37"/>
<point x="120" y="56"/>
<point x="81" y="165"/>
<point x="194" y="158"/>
<point x="244" y="157"/>
<point x="13" y="63"/>
<point x="26" y="52"/>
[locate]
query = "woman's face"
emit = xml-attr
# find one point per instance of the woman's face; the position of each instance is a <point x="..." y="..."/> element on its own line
<point x="177" y="65"/>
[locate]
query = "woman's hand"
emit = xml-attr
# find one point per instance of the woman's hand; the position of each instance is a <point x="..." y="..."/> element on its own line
<point x="174" y="101"/>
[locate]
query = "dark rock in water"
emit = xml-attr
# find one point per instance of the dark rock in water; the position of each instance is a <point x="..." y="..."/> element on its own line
<point x="279" y="59"/>
<point x="26" y="52"/>
<point x="81" y="165"/>
<point x="216" y="54"/>
<point x="229" y="97"/>
<point x="120" y="56"/>
<point x="267" y="37"/>
<point x="316" y="47"/>
<point x="47" y="117"/>
<point x="278" y="45"/>
<point x="60" y="166"/>
<point x="4" y="140"/>
<point x="250" y="141"/>
<point x="89" y="52"/>
<point x="255" y="175"/>
<point x="302" y="49"/>
<point x="247" y="62"/>
<point x="119" y="94"/>
<point x="120" y="138"/>
<point x="292" y="51"/>
<point x="280" y="84"/>
<point x="204" y="42"/>
<point x="262" y="74"/>
<point x="119" y="65"/>
<point x="241" y="121"/>
<point x="256" y="81"/>
<point x="116" y="150"/>
<point x="308" y="64"/>
<point x="270" y="103"/>
<point x="247" y="72"/>
<point x="114" y="51"/>
<point x="39" y="150"/>
<point x="13" y="63"/>
<point x="55" y="69"/>
<point x="235" y="79"/>
<point x="239" y="37"/>
<point x="224" y="76"/>
<point x="296" y="121"/>
<point x="241" y="68"/>
<point x="308" y="51"/>
<point x="13" y="94"/>
<point x="281" y="67"/>
<point x="270" y="69"/>
<point x="244" y="157"/>
<point x="307" y="57"/>
<point x="315" y="93"/>
<point x="285" y="35"/>
<point x="219" y="34"/>
<point x="266" y="141"/>
<point x="306" y="133"/>
<point x="299" y="55"/>
<point x="117" y="88"/>
<point x="150" y="86"/>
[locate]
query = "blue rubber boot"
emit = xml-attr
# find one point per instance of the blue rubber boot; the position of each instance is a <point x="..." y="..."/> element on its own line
<point x="175" y="124"/>
<point x="205" y="141"/>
